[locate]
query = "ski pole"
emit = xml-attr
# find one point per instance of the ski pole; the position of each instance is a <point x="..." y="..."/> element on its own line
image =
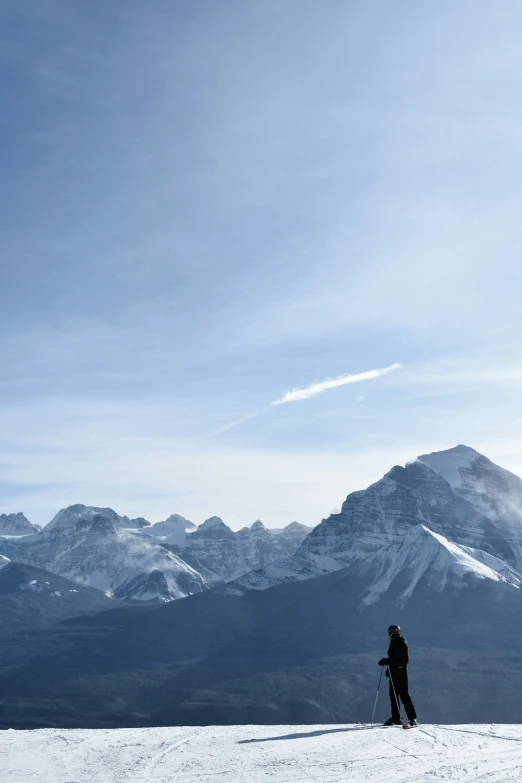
<point x="396" y="699"/>
<point x="377" y="694"/>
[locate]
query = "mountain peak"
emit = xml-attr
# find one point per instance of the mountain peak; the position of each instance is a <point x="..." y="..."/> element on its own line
<point x="297" y="526"/>
<point x="451" y="462"/>
<point x="256" y="531"/>
<point x="177" y="519"/>
<point x="139" y="522"/>
<point x="82" y="519"/>
<point x="461" y="451"/>
<point x="79" y="514"/>
<point x="444" y="512"/>
<point x="213" y="523"/>
<point x="172" y="530"/>
<point x="66" y="517"/>
<point x="16" y="525"/>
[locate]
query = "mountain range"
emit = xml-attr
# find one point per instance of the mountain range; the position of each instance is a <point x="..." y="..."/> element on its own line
<point x="136" y="561"/>
<point x="434" y="546"/>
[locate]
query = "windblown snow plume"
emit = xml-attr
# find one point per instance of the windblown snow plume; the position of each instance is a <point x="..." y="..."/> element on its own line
<point x="332" y="383"/>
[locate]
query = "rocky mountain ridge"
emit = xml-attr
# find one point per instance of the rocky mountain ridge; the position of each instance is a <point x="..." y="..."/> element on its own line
<point x="96" y="550"/>
<point x="17" y="525"/>
<point x="227" y="554"/>
<point x="451" y="517"/>
<point x="446" y="518"/>
<point x="137" y="561"/>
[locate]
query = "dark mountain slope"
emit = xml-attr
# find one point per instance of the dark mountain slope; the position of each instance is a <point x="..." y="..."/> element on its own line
<point x="31" y="596"/>
<point x="299" y="652"/>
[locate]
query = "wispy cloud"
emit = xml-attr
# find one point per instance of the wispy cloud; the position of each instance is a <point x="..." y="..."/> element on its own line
<point x="332" y="383"/>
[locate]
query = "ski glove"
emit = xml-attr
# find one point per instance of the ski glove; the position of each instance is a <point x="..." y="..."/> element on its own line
<point x="384" y="662"/>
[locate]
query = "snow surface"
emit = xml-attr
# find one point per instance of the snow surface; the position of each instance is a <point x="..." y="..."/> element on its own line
<point x="255" y="754"/>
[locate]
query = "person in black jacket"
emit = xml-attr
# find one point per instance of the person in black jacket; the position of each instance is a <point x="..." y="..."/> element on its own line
<point x="397" y="671"/>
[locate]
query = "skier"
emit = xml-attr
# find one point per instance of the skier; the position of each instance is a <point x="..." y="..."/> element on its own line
<point x="397" y="671"/>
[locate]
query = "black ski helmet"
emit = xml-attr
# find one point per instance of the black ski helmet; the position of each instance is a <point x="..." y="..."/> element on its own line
<point x="394" y="630"/>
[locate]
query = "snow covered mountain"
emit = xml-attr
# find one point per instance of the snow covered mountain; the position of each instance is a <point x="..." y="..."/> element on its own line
<point x="172" y="530"/>
<point x="98" y="548"/>
<point x="451" y="517"/>
<point x="222" y="555"/>
<point x="259" y="546"/>
<point x="292" y="536"/>
<point x="488" y="502"/>
<point x="16" y="525"/>
<point x="447" y="518"/>
<point x="71" y="514"/>
<point x="137" y="561"/>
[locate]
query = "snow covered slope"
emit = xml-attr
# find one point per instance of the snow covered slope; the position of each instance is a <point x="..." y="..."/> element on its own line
<point x="154" y="585"/>
<point x="282" y="754"/>
<point x="488" y="502"/>
<point x="453" y="517"/>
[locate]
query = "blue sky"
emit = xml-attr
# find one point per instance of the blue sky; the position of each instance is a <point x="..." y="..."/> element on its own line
<point x="206" y="205"/>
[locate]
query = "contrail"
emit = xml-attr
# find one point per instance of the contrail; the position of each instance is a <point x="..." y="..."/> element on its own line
<point x="333" y="383"/>
<point x="242" y="420"/>
<point x="310" y="391"/>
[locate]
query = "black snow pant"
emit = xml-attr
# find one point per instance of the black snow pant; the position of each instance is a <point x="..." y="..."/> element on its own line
<point x="401" y="689"/>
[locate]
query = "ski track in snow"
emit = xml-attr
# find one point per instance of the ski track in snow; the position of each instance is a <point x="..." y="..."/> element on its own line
<point x="264" y="754"/>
